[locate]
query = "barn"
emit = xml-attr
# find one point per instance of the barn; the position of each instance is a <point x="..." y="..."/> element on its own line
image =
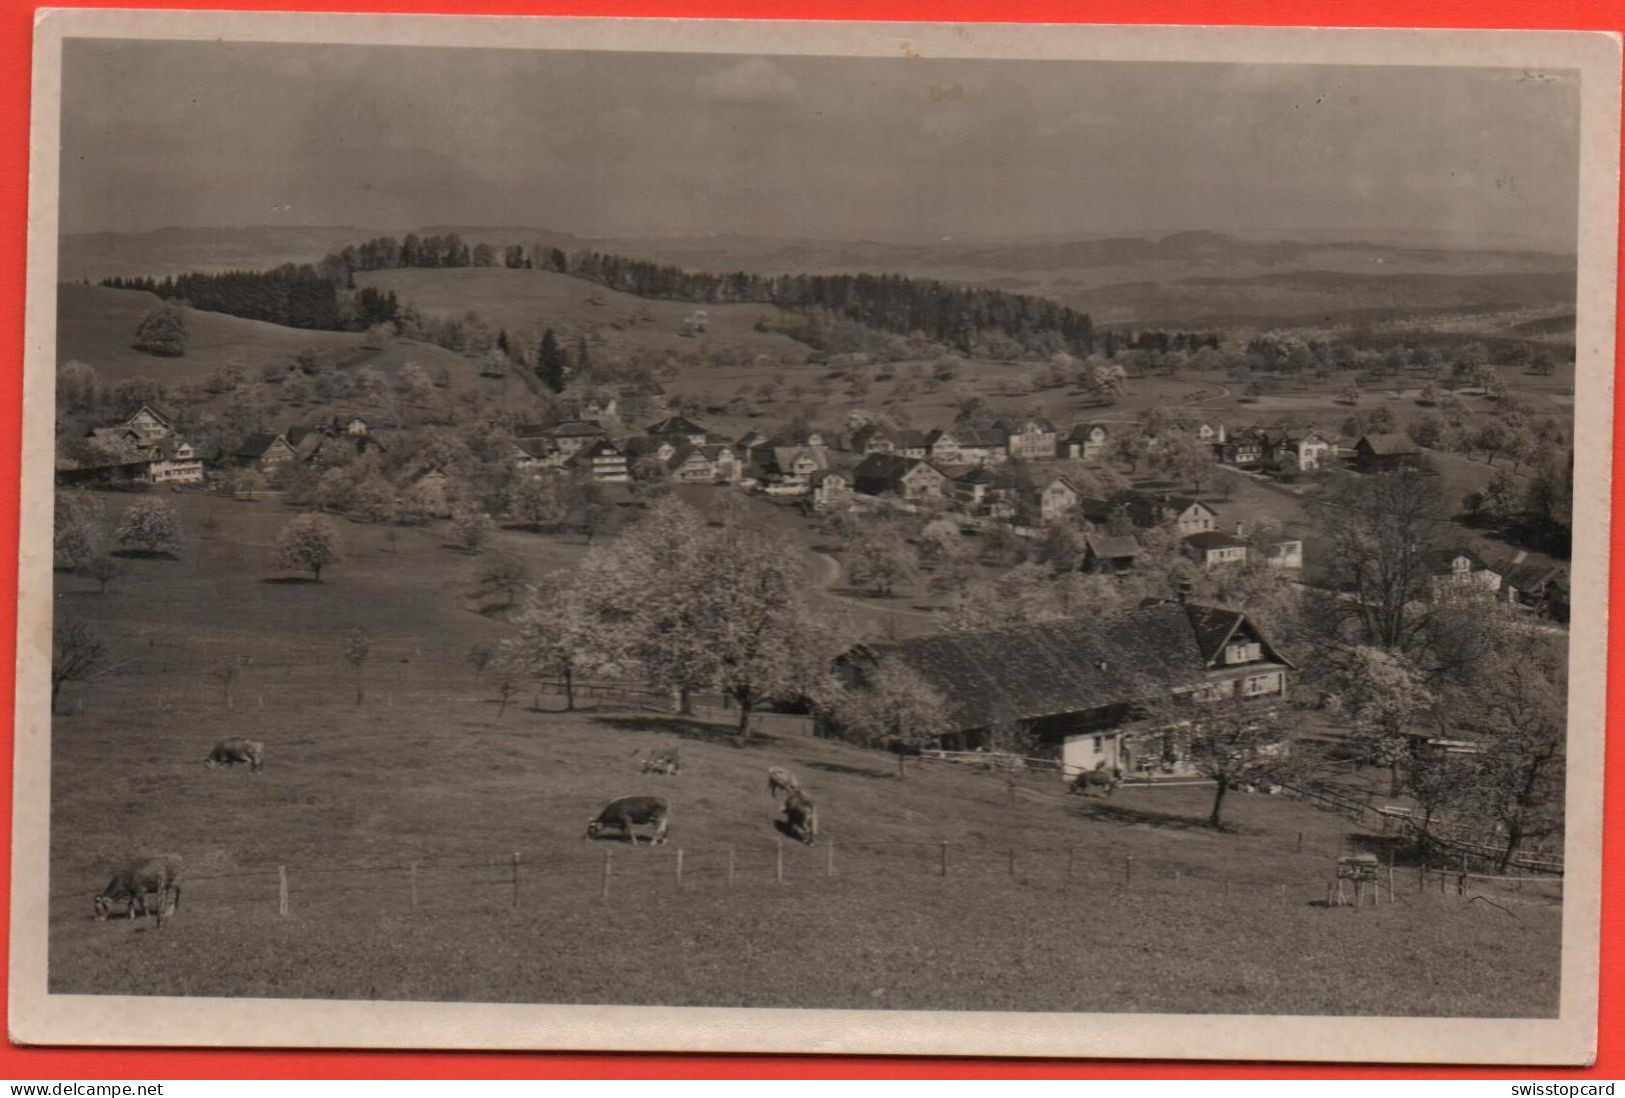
<point x="1079" y="686"/>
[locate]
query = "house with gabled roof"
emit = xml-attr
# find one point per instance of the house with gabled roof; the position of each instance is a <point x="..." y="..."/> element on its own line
<point x="905" y="477"/>
<point x="1087" y="442"/>
<point x="1057" y="499"/>
<point x="147" y="423"/>
<point x="679" y="425"/>
<point x="1079" y="687"/>
<point x="1386" y="453"/>
<point x="1032" y="438"/>
<point x="574" y="435"/>
<point x="1301" y="451"/>
<point x="1212" y="549"/>
<point x="266" y="452"/>
<point x="1460" y="569"/>
<point x="965" y="446"/>
<point x="1244" y="449"/>
<point x="1110" y="554"/>
<point x="603" y="461"/>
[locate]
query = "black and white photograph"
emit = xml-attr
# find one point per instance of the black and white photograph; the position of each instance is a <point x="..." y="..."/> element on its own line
<point x="891" y="539"/>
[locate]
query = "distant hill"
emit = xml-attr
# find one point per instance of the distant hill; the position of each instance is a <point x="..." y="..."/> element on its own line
<point x="96" y="325"/>
<point x="525" y="303"/>
<point x="1190" y="277"/>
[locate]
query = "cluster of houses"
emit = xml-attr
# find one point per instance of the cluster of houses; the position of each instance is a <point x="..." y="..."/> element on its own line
<point x="1303" y="451"/>
<point x="144" y="448"/>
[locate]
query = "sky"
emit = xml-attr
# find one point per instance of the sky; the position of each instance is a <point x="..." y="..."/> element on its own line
<point x="159" y="134"/>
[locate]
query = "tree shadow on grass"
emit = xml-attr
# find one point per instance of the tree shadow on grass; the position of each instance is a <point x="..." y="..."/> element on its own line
<point x="1103" y="811"/>
<point x="854" y="771"/>
<point x="689" y="729"/>
<point x="288" y="581"/>
<point x="144" y="554"/>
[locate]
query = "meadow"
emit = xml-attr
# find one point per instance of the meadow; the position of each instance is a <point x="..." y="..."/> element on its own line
<point x="1049" y="902"/>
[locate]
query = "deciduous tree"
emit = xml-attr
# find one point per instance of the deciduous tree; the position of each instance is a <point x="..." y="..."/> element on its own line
<point x="309" y="542"/>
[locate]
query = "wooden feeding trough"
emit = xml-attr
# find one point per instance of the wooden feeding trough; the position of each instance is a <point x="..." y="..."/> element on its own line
<point x="1362" y="871"/>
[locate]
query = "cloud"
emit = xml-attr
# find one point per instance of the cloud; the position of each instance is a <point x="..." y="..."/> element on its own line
<point x="755" y="80"/>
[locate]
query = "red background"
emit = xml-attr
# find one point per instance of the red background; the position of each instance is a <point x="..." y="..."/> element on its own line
<point x="16" y="24"/>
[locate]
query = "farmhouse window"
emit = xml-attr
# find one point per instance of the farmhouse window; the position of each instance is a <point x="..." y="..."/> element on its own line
<point x="1243" y="652"/>
<point x="1260" y="684"/>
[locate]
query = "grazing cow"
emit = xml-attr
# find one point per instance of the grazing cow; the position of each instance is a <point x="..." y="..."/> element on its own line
<point x="160" y="875"/>
<point x="623" y="812"/>
<point x="663" y="761"/>
<point x="779" y="779"/>
<point x="1090" y="781"/>
<point x="232" y="752"/>
<point x="801" y="817"/>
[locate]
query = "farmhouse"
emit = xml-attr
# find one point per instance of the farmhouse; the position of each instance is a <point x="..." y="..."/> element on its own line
<point x="1533" y="584"/>
<point x="786" y="470"/>
<point x="907" y="478"/>
<point x="1460" y="570"/>
<point x="1385" y="453"/>
<point x="831" y="490"/>
<point x="1284" y="554"/>
<point x="1034" y="437"/>
<point x="1189" y="516"/>
<point x="266" y="452"/>
<point x="1057" y="498"/>
<point x="680" y="425"/>
<point x="1244" y="449"/>
<point x="1211" y="549"/>
<point x="573" y="436"/>
<point x="1079" y="685"/>
<point x="603" y="461"/>
<point x="1300" y="452"/>
<point x="1104" y="553"/>
<point x="875" y="439"/>
<point x="965" y="446"/>
<point x="1087" y="442"/>
<point x="148" y="424"/>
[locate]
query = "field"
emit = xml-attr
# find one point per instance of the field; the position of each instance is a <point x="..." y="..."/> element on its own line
<point x="1049" y="902"/>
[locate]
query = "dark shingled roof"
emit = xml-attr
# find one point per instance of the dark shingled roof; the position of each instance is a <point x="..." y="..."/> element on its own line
<point x="1107" y="547"/>
<point x="1212" y="539"/>
<point x="1070" y="666"/>
<point x="1390" y="445"/>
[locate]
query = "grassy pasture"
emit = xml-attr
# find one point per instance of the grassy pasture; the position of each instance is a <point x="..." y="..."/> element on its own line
<point x="424" y="771"/>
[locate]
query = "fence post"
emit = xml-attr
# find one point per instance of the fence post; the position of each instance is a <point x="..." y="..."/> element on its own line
<point x="944" y="862"/>
<point x="1300" y="843"/>
<point x="516" y="878"/>
<point x="605" y="893"/>
<point x="730" y="865"/>
<point x="679" y="867"/>
<point x="282" y="890"/>
<point x="829" y="860"/>
<point x="414" y="886"/>
<point x="1128" y="869"/>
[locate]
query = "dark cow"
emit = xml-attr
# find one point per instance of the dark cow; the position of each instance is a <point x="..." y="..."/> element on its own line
<point x="801" y="817"/>
<point x="623" y="812"/>
<point x="159" y="875"/>
<point x="1097" y="780"/>
<point x="232" y="752"/>
<point x="664" y="761"/>
<point x="781" y="780"/>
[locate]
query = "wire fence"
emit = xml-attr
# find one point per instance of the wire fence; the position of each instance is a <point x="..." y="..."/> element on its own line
<point x="608" y="870"/>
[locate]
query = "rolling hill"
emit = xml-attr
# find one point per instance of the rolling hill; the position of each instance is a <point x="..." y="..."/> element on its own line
<point x="531" y="301"/>
<point x="1175" y="278"/>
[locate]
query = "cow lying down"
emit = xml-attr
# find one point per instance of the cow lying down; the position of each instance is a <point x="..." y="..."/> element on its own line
<point x="158" y="876"/>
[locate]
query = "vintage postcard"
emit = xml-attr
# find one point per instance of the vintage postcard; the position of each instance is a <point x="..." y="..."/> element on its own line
<point x="850" y="538"/>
